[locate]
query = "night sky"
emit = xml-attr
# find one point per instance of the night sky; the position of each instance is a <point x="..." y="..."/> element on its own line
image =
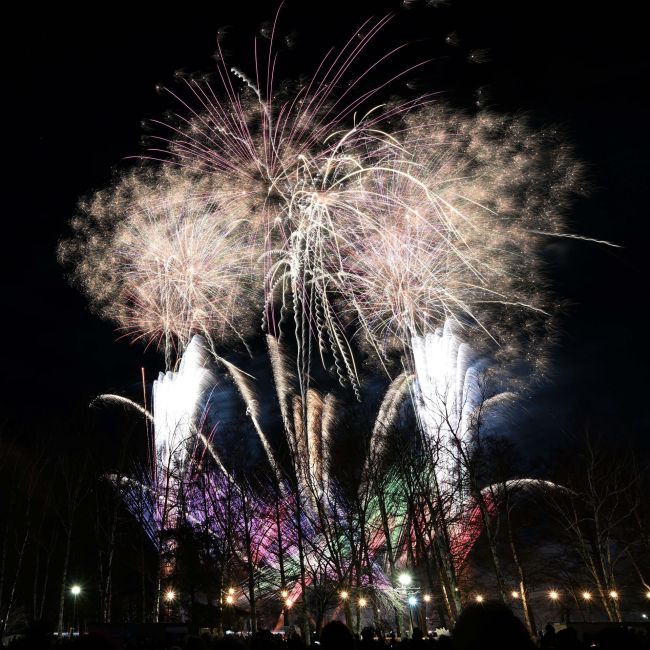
<point x="80" y="85"/>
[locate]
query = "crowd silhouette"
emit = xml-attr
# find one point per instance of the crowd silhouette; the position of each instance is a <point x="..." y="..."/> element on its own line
<point x="484" y="626"/>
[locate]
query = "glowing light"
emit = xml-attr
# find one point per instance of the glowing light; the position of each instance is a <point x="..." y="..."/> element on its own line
<point x="647" y="595"/>
<point x="478" y="598"/>
<point x="404" y="579"/>
<point x="613" y="595"/>
<point x="289" y="603"/>
<point x="413" y="601"/>
<point x="514" y="594"/>
<point x="586" y="595"/>
<point x="231" y="590"/>
<point x="75" y="590"/>
<point x="170" y="595"/>
<point x="553" y="595"/>
<point x="426" y="598"/>
<point x="230" y="599"/>
<point x="362" y="602"/>
<point x="284" y="593"/>
<point x="344" y="595"/>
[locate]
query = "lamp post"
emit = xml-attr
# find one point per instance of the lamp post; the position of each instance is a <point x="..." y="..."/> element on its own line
<point x="554" y="597"/>
<point x="586" y="596"/>
<point x="361" y="603"/>
<point x="287" y="605"/>
<point x="427" y="599"/>
<point x="230" y="601"/>
<point x="413" y="602"/>
<point x="614" y="595"/>
<point x="75" y="591"/>
<point x="405" y="580"/>
<point x="170" y="596"/>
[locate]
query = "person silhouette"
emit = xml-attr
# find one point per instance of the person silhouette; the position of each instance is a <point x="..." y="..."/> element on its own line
<point x="488" y="625"/>
<point x="336" y="636"/>
<point x="548" y="639"/>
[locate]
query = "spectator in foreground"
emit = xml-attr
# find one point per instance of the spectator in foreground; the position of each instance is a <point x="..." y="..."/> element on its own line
<point x="547" y="640"/>
<point x="368" y="639"/>
<point x="490" y="625"/>
<point x="336" y="636"/>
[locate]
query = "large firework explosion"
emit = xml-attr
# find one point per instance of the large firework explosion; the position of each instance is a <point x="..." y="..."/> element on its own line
<point x="345" y="226"/>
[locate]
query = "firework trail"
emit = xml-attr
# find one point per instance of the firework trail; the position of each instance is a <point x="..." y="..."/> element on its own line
<point x="119" y="399"/>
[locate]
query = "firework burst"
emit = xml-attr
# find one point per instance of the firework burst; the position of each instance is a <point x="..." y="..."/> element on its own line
<point x="448" y="211"/>
<point x="158" y="257"/>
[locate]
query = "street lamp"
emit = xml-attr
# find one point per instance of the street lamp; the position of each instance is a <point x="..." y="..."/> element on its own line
<point x="404" y="579"/>
<point x="514" y="594"/>
<point x="344" y="595"/>
<point x="586" y="596"/>
<point x="230" y="599"/>
<point x="554" y="596"/>
<point x="412" y="601"/>
<point x="170" y="596"/>
<point x="362" y="602"/>
<point x="75" y="590"/>
<point x="613" y="595"/>
<point x="427" y="599"/>
<point x="478" y="598"/>
<point x="288" y="603"/>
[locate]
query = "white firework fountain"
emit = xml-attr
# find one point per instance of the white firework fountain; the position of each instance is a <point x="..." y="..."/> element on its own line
<point x="178" y="398"/>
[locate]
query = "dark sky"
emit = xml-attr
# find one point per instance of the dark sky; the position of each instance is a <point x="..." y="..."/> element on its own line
<point x="79" y="84"/>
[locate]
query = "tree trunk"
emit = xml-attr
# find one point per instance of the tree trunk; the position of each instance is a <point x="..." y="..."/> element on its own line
<point x="250" y="566"/>
<point x="389" y="554"/>
<point x="523" y="584"/>
<point x="41" y="608"/>
<point x="492" y="543"/>
<point x="303" y="574"/>
<point x="12" y="591"/>
<point x="64" y="579"/>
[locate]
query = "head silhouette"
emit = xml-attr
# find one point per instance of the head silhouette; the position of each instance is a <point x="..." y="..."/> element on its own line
<point x="488" y="625"/>
<point x="336" y="636"/>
